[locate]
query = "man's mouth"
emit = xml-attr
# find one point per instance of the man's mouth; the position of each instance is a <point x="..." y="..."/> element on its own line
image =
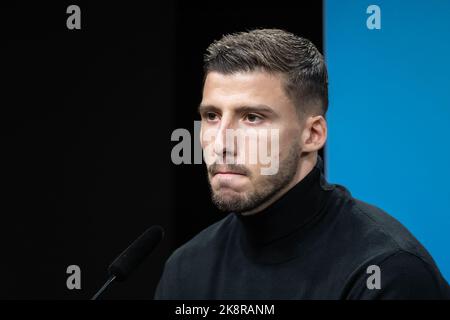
<point x="229" y="172"/>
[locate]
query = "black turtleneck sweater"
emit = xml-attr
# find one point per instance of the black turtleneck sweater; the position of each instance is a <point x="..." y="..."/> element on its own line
<point x="315" y="242"/>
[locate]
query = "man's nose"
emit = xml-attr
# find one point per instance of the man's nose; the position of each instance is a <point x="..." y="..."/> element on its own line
<point x="223" y="146"/>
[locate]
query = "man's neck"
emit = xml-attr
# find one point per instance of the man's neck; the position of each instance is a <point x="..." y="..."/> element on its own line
<point x="306" y="164"/>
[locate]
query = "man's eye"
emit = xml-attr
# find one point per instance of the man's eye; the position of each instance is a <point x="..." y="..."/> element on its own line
<point x="253" y="118"/>
<point x="211" y="116"/>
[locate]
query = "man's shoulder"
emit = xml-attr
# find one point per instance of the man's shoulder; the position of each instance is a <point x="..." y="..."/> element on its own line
<point x="384" y="226"/>
<point x="409" y="271"/>
<point x="191" y="262"/>
<point x="372" y="232"/>
<point x="210" y="238"/>
<point x="367" y="236"/>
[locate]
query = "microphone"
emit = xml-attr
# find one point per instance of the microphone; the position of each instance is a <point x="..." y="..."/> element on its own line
<point x="132" y="257"/>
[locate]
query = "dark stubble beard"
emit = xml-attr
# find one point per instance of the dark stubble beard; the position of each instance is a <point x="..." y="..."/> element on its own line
<point x="266" y="188"/>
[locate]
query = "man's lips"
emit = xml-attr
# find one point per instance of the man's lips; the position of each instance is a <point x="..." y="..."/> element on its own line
<point x="229" y="172"/>
<point x="228" y="178"/>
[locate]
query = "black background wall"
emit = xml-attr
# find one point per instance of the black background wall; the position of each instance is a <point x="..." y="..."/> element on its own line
<point x="86" y="118"/>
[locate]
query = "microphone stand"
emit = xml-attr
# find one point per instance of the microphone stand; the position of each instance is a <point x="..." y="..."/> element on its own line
<point x="106" y="285"/>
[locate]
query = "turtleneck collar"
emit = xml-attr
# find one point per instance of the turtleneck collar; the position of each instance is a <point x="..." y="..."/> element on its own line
<point x="286" y="216"/>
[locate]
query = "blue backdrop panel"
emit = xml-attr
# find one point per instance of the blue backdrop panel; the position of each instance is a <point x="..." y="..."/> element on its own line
<point x="389" y="113"/>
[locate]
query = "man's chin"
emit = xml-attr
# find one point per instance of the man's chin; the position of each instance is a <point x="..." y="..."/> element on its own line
<point x="228" y="200"/>
<point x="228" y="195"/>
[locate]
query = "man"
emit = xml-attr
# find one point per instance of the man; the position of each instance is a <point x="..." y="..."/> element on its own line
<point x="289" y="234"/>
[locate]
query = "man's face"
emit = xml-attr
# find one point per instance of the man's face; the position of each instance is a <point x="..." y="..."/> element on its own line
<point x="254" y="107"/>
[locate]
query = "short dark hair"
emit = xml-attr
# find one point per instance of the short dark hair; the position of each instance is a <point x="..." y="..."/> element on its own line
<point x="277" y="51"/>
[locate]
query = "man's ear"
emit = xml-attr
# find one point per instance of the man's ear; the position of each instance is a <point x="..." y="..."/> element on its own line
<point x="314" y="133"/>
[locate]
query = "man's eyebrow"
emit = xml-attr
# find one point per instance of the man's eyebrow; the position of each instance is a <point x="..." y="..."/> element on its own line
<point x="242" y="109"/>
<point x="262" y="108"/>
<point x="204" y="107"/>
